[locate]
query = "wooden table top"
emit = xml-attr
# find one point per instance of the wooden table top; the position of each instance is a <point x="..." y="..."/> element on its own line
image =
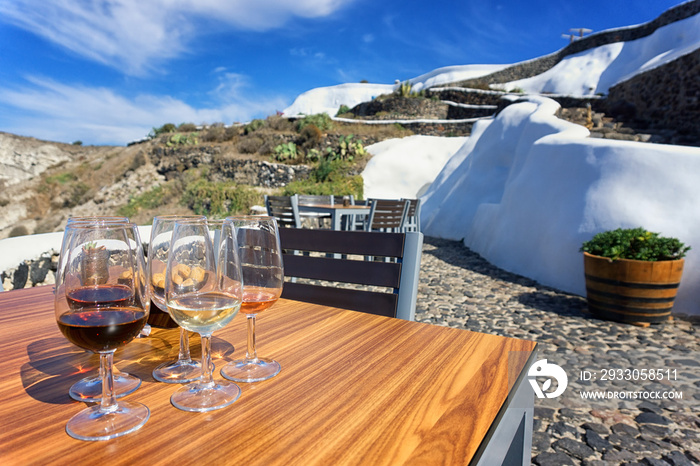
<point x="354" y="389"/>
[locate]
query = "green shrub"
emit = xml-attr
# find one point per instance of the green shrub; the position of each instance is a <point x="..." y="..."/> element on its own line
<point x="404" y="89"/>
<point x="347" y="149"/>
<point x="310" y="136"/>
<point x="636" y="244"/>
<point x="166" y="128"/>
<point x="187" y="128"/>
<point x="321" y="120"/>
<point x="151" y="199"/>
<point x="230" y="133"/>
<point x="253" y="126"/>
<point x="19" y="230"/>
<point x="343" y="109"/>
<point x="61" y="178"/>
<point x="219" y="199"/>
<point x="78" y="143"/>
<point x="214" y="134"/>
<point x="330" y="176"/>
<point x="279" y="123"/>
<point x="285" y="152"/>
<point x="249" y="144"/>
<point x="183" y="139"/>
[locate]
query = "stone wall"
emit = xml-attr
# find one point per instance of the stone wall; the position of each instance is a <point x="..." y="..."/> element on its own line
<point x="665" y="97"/>
<point x="31" y="272"/>
<point x="171" y="162"/>
<point x="540" y="65"/>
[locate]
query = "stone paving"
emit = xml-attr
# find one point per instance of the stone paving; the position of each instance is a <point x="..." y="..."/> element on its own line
<point x="460" y="289"/>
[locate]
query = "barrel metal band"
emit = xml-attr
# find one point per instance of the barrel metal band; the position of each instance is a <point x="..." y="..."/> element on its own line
<point x="650" y="286"/>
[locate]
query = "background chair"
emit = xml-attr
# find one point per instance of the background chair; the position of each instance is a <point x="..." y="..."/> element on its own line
<point x="312" y="199"/>
<point x="343" y="275"/>
<point x="412" y="222"/>
<point x="386" y="215"/>
<point x="285" y="209"/>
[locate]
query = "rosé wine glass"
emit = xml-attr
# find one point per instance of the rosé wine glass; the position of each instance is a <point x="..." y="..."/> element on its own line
<point x="263" y="277"/>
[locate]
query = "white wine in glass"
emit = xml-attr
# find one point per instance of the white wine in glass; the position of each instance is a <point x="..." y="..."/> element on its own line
<point x="203" y="293"/>
<point x="184" y="369"/>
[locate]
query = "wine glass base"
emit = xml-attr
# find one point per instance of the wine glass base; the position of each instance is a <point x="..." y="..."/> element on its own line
<point x="249" y="370"/>
<point x="180" y="371"/>
<point x="89" y="389"/>
<point x="200" y="397"/>
<point x="94" y="424"/>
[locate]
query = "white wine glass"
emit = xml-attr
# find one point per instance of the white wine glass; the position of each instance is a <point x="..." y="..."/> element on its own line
<point x="263" y="277"/>
<point x="101" y="303"/>
<point x="203" y="293"/>
<point x="90" y="388"/>
<point x="184" y="369"/>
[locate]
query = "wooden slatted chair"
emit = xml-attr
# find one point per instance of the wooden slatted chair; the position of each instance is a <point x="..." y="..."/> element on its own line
<point x="386" y="215"/>
<point x="351" y="282"/>
<point x="412" y="222"/>
<point x="285" y="209"/>
<point x="311" y="199"/>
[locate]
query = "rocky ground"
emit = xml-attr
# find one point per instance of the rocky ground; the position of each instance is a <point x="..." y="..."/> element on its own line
<point x="460" y="289"/>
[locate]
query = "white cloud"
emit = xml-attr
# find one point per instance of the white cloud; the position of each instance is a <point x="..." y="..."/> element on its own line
<point x="134" y="36"/>
<point x="47" y="109"/>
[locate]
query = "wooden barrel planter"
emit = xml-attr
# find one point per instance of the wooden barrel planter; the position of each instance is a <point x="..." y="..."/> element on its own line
<point x="631" y="291"/>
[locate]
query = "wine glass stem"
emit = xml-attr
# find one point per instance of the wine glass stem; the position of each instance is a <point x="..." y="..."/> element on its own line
<point x="251" y="351"/>
<point x="184" y="354"/>
<point x="109" y="401"/>
<point x="207" y="377"/>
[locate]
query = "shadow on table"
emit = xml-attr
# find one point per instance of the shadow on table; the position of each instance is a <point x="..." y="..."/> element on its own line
<point x="55" y="364"/>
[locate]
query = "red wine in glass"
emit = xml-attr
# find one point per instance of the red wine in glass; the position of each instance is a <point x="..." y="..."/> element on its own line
<point x="99" y="296"/>
<point x="102" y="329"/>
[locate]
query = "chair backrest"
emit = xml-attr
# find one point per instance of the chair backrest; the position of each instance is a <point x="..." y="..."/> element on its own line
<point x="312" y="199"/>
<point x="376" y="287"/>
<point x="285" y="209"/>
<point x="386" y="214"/>
<point x="412" y="222"/>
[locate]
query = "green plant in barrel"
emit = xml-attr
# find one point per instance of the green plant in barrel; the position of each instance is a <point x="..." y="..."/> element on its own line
<point x="632" y="275"/>
<point x="636" y="244"/>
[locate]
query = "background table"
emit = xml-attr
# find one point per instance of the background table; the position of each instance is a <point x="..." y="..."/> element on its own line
<point x="337" y="211"/>
<point x="354" y="389"/>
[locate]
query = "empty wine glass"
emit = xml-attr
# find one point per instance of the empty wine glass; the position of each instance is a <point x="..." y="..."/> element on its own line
<point x="203" y="293"/>
<point x="90" y="388"/>
<point x="263" y="276"/>
<point x="102" y="303"/>
<point x="184" y="369"/>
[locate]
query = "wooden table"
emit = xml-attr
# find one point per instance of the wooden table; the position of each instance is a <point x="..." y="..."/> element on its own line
<point x="337" y="211"/>
<point x="354" y="389"/>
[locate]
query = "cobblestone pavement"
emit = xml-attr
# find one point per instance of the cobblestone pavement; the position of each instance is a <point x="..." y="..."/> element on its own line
<point x="460" y="289"/>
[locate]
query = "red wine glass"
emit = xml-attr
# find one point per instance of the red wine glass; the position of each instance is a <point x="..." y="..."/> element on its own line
<point x="101" y="304"/>
<point x="90" y="388"/>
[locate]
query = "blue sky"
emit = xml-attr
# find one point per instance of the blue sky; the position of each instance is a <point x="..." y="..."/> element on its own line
<point x="107" y="72"/>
